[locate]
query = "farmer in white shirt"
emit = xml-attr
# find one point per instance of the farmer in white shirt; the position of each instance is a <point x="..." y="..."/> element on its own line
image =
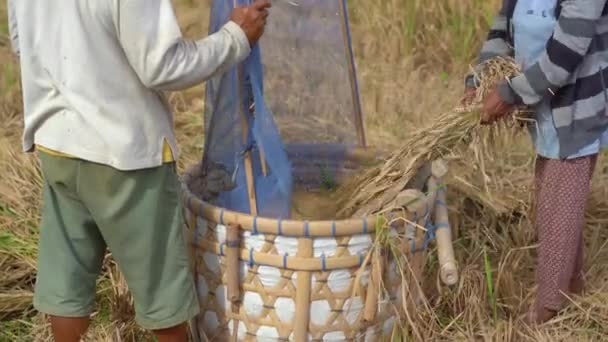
<point x="92" y="73"/>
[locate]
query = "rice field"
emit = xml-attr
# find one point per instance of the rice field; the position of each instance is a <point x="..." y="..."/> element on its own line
<point x="411" y="58"/>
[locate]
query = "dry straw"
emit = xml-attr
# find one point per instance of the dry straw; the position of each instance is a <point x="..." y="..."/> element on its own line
<point x="445" y="137"/>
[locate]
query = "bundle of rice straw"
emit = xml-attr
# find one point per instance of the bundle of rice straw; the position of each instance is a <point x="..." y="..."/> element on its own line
<point x="446" y="136"/>
<point x="15" y="301"/>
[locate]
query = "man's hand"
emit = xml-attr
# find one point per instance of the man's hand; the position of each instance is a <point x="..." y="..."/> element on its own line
<point x="495" y="108"/>
<point x="252" y="19"/>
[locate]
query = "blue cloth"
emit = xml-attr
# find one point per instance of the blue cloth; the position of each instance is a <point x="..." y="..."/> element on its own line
<point x="229" y="99"/>
<point x="533" y="24"/>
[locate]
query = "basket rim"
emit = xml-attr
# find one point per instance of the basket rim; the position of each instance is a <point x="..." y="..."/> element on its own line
<point x="290" y="228"/>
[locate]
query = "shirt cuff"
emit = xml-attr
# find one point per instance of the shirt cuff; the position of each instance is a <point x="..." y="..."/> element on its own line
<point x="239" y="35"/>
<point x="470" y="81"/>
<point x="507" y="93"/>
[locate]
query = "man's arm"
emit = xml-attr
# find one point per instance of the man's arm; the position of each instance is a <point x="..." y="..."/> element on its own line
<point x="163" y="60"/>
<point x="565" y="51"/>
<point x="12" y="27"/>
<point x="496" y="43"/>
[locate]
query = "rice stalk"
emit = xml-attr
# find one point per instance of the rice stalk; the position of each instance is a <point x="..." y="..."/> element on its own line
<point x="447" y="136"/>
<point x="490" y="282"/>
<point x="15" y="302"/>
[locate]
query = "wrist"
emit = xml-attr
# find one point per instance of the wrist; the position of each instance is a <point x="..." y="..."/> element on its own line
<point x="507" y="93"/>
<point x="239" y="34"/>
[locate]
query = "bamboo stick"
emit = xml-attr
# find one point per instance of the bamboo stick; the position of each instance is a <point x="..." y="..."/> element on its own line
<point x="448" y="270"/>
<point x="373" y="288"/>
<point x="262" y="155"/>
<point x="233" y="229"/>
<point x="417" y="263"/>
<point x="358" y="112"/>
<point x="232" y="263"/>
<point x="263" y="161"/>
<point x="302" y="314"/>
<point x="253" y="207"/>
<point x="297" y="263"/>
<point x="416" y="257"/>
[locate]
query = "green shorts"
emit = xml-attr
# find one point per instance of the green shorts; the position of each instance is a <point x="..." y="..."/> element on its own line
<point x="89" y="207"/>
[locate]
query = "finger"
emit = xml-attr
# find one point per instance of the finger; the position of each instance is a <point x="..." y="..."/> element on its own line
<point x="260" y="21"/>
<point x="260" y="16"/>
<point x="486" y="108"/>
<point x="261" y="4"/>
<point x="489" y="118"/>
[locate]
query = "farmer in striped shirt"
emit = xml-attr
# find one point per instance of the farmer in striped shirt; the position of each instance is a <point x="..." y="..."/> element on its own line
<point x="93" y="73"/>
<point x="563" y="49"/>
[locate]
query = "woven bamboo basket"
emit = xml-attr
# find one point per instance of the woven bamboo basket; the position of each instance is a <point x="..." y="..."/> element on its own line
<point x="265" y="279"/>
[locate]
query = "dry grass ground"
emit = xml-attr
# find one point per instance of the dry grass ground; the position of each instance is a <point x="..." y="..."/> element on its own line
<point x="411" y="55"/>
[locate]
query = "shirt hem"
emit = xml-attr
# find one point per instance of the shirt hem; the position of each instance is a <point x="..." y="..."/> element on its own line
<point x="115" y="162"/>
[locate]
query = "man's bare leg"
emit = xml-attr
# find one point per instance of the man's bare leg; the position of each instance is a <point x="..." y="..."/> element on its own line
<point x="175" y="334"/>
<point x="69" y="329"/>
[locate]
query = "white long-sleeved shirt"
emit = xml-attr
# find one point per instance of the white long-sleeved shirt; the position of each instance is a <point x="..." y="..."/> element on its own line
<point x="93" y="72"/>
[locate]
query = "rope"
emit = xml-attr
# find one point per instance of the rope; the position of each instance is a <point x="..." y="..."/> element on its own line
<point x="441" y="203"/>
<point x="251" y="262"/>
<point x="429" y="236"/>
<point x="250" y="146"/>
<point x="254" y="230"/>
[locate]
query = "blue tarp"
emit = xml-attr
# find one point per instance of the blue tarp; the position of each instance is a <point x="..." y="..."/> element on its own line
<point x="303" y="64"/>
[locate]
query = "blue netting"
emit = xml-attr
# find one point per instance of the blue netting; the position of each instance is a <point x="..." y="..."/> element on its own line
<point x="292" y="96"/>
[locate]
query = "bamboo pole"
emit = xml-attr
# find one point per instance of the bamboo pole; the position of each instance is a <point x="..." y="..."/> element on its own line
<point x="448" y="269"/>
<point x="350" y="59"/>
<point x="233" y="230"/>
<point x="253" y="207"/>
<point x="262" y="155"/>
<point x="416" y="264"/>
<point x="263" y="161"/>
<point x="296" y="263"/>
<point x="252" y="112"/>
<point x="302" y="314"/>
<point x="232" y="263"/>
<point x="373" y="288"/>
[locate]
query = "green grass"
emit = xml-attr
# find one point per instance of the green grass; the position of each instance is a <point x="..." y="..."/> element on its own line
<point x="328" y="183"/>
<point x="23" y="247"/>
<point x="14" y="330"/>
<point x="3" y="20"/>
